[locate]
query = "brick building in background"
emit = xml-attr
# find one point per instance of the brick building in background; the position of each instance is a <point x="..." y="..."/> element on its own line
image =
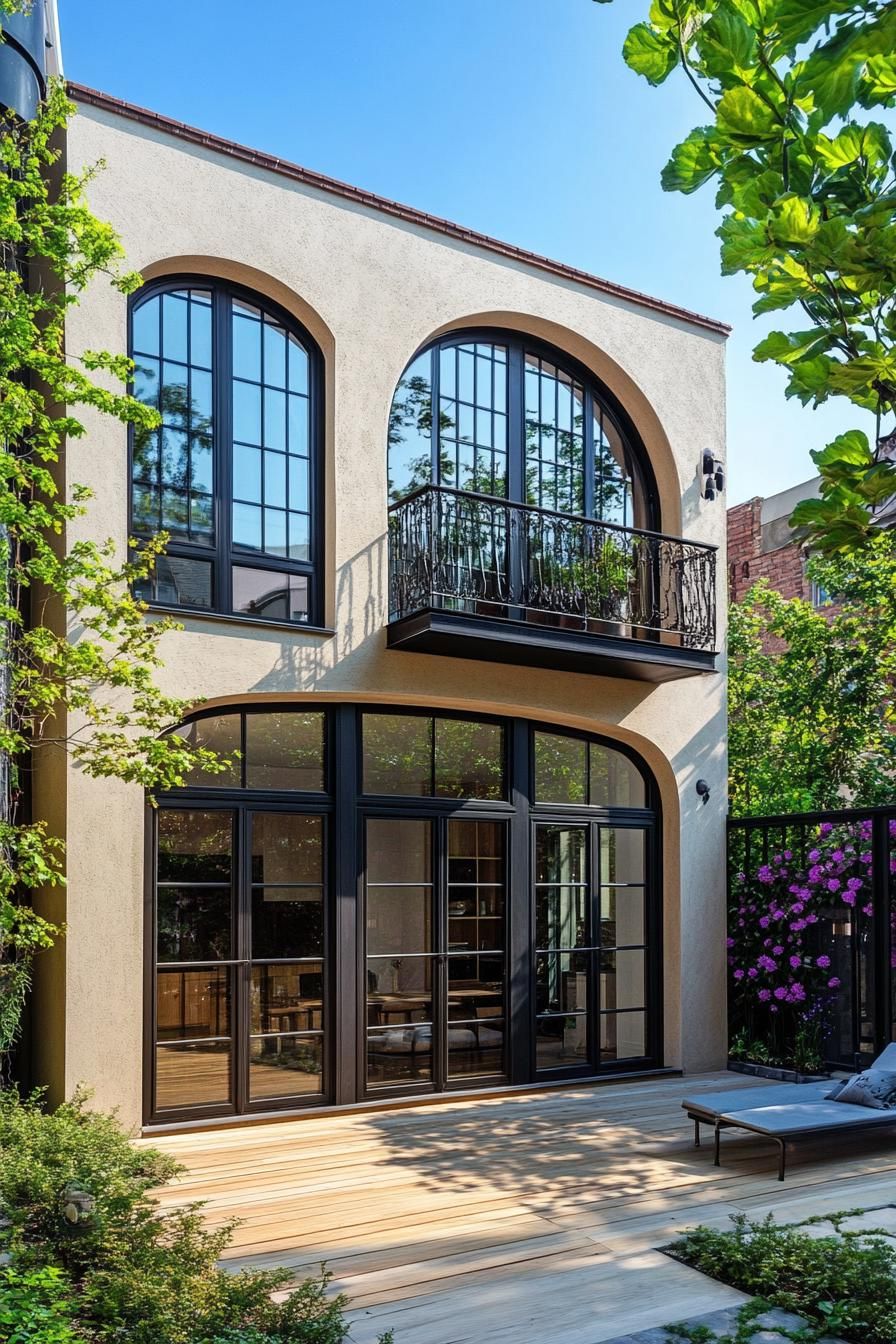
<point x="761" y="545"/>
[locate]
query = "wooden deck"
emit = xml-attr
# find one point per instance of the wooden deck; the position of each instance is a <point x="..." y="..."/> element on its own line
<point x="512" y="1220"/>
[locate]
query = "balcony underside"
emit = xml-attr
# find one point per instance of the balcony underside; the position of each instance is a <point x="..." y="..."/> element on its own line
<point x="530" y="644"/>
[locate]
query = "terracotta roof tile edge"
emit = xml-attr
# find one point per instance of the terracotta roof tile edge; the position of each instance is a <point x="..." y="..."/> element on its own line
<point x="205" y="139"/>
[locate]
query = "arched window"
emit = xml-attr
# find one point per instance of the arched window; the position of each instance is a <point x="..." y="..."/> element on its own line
<point x="520" y="421"/>
<point x="232" y="474"/>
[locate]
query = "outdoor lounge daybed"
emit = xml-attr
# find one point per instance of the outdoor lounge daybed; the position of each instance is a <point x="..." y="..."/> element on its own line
<point x="786" y="1111"/>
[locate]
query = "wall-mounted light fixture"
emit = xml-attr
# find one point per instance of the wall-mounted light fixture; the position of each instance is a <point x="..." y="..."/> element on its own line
<point x="713" y="472"/>
<point x="703" y="790"/>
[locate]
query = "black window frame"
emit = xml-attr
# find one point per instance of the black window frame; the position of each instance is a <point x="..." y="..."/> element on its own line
<point x="596" y="393"/>
<point x="222" y="556"/>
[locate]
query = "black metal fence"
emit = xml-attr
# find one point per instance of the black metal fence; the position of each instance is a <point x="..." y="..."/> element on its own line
<point x="810" y="931"/>
<point x="474" y="553"/>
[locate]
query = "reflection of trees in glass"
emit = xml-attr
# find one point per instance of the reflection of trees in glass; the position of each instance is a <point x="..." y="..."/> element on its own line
<point x="447" y="758"/>
<point x="173" y="465"/>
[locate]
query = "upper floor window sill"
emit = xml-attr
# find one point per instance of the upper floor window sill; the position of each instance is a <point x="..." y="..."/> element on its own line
<point x="252" y="622"/>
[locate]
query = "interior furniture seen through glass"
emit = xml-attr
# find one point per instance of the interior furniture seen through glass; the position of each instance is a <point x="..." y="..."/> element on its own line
<point x="246" y="990"/>
<point x="230" y="473"/>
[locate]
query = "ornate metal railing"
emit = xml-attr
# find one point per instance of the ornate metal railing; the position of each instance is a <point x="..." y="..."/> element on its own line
<point x="485" y="556"/>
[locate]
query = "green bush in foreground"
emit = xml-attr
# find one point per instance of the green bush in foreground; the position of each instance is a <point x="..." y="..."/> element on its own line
<point x="845" y="1284"/>
<point x="93" y="1258"/>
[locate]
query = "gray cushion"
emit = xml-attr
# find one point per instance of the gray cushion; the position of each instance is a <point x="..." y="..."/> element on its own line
<point x="801" y="1119"/>
<point x="886" y="1059"/>
<point x="875" y="1088"/>
<point x="765" y="1094"/>
<point x="836" y="1090"/>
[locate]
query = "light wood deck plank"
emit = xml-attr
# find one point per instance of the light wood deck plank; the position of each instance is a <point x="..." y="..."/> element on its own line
<point x="514" y="1219"/>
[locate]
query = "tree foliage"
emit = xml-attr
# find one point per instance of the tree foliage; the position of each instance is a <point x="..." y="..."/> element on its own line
<point x="804" y="168"/>
<point x="811" y="692"/>
<point x="78" y="659"/>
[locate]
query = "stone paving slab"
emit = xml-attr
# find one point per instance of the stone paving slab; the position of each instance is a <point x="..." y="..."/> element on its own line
<point x="770" y="1328"/>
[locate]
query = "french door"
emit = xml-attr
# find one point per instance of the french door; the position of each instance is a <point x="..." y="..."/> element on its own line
<point x="240" y="1007"/>
<point x="435" y="954"/>
<point x="592" y="939"/>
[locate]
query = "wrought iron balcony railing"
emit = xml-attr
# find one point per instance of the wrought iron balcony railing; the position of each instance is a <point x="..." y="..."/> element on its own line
<point x="486" y="557"/>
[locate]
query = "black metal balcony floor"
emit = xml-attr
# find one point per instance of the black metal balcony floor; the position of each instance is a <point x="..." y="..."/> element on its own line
<point x="463" y="635"/>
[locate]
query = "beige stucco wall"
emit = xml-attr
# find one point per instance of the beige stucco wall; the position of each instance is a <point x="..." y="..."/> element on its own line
<point x="372" y="289"/>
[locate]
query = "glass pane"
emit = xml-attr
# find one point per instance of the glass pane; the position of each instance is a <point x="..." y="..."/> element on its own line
<point x="561" y="917"/>
<point x="622" y="983"/>
<point x="285" y="1066"/>
<point x="475" y="887"/>
<point x="615" y="780"/>
<point x="555" y="443"/>
<point x="621" y="855"/>
<point x="271" y="595"/>
<point x="298" y="484"/>
<point x="475" y="1048"/>
<point x="192" y="1075"/>
<point x="175" y="582"/>
<point x="219" y="733"/>
<point x="247" y="473"/>
<point x="561" y="854"/>
<point x="247" y="412"/>
<point x="247" y="526"/>
<point x="146" y="381"/>
<point x="287" y="848"/>
<point x="287" y="922"/>
<point x="285" y="751"/>
<point x="274" y="355"/>
<point x="469" y="759"/>
<point x="399" y="919"/>
<point x="622" y="916"/>
<point x="475" y="987"/>
<point x="399" y="1054"/>
<point x="399" y="851"/>
<point x="299" y="425"/>
<point x="194" y="846"/>
<point x="399" y="990"/>
<point x="287" y="998"/>
<point x="561" y="982"/>
<point x="561" y="1042"/>
<point x="397" y="754"/>
<point x="623" y="1036"/>
<point x="472" y="418"/>
<point x="145" y="327"/>
<point x="298" y="366"/>
<point x="410" y="424"/>
<point x="275" y="480"/>
<point x="174" y="327"/>
<point x="200" y="331"/>
<point x="193" y="923"/>
<point x="246" y="345"/>
<point x="192" y="1003"/>
<point x="561" y="769"/>
<point x="274" y="419"/>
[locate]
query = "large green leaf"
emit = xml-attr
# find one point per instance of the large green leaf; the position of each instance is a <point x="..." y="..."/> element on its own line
<point x="788" y="347"/>
<point x="870" y="143"/>
<point x="649" y="53"/>
<point x="727" y="42"/>
<point x="795" y="21"/>
<point x="794" y="220"/>
<point x="879" y="82"/>
<point x="693" y="162"/>
<point x="744" y="117"/>
<point x="850" y="448"/>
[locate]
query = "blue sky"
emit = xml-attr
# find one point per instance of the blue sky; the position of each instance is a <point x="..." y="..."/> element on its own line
<point x="514" y="117"/>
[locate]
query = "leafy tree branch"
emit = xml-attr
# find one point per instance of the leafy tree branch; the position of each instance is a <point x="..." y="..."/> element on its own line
<point x="805" y="182"/>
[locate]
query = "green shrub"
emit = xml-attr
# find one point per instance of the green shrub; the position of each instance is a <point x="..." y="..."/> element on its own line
<point x="36" y="1307"/>
<point x="846" y="1283"/>
<point x="74" y="1200"/>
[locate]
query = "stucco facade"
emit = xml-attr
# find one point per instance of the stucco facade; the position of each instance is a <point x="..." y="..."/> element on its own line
<point x="372" y="288"/>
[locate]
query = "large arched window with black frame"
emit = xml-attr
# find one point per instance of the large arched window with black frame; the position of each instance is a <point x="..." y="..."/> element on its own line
<point x="233" y="472"/>
<point x="522" y="421"/>
<point x="377" y="900"/>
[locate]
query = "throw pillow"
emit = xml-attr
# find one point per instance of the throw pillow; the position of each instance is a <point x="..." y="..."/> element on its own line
<point x="875" y="1088"/>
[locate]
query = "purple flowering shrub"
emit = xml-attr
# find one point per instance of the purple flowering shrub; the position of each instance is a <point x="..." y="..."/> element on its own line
<point x="783" y="955"/>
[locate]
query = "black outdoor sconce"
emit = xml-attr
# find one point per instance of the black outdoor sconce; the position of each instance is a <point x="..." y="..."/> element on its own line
<point x="713" y="475"/>
<point x="703" y="790"/>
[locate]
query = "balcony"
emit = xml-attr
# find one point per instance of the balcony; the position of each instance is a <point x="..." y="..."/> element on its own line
<point x="473" y="576"/>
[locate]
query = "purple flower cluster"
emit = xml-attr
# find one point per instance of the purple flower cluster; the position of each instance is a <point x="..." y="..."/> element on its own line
<point x="781" y="914"/>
